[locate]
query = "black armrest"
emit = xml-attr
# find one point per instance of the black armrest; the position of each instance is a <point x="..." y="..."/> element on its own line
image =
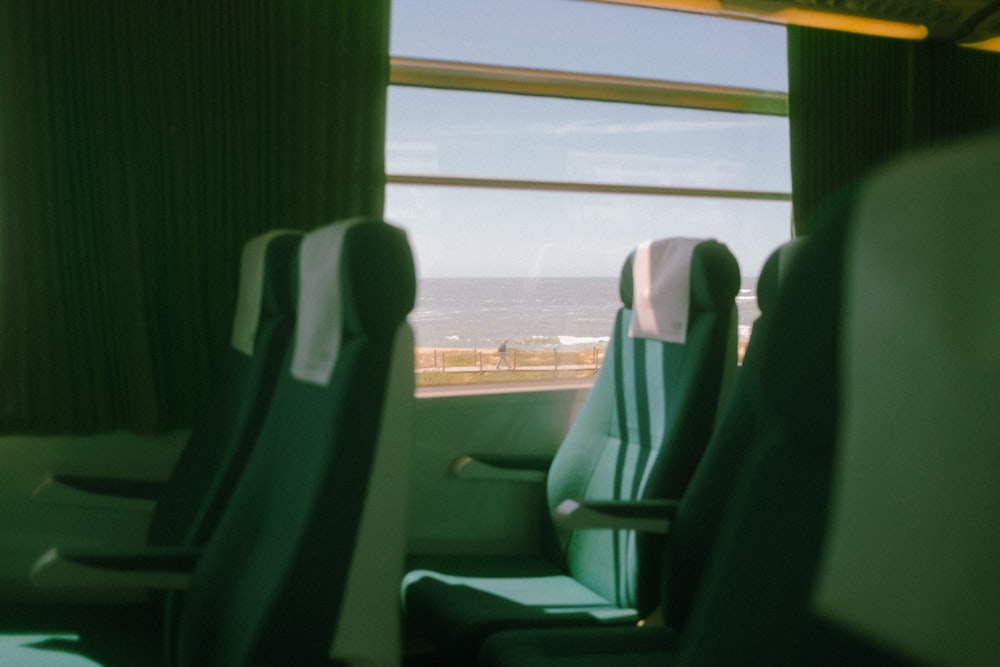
<point x="110" y="486"/>
<point x="169" y="559"/>
<point x="165" y="567"/>
<point x="539" y="463"/>
<point x="646" y="515"/>
<point x="513" y="467"/>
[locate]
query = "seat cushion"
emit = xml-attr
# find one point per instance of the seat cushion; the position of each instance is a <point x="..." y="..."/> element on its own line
<point x="458" y="601"/>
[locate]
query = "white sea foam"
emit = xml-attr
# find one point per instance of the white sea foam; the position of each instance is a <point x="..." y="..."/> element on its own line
<point x="583" y="341"/>
<point x="569" y="313"/>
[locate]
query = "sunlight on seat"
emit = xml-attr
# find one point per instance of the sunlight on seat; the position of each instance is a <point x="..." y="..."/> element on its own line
<point x="535" y="592"/>
<point x="530" y="591"/>
<point x="41" y="650"/>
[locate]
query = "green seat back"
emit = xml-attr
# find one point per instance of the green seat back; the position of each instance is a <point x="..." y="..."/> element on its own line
<point x="749" y="607"/>
<point x="696" y="525"/>
<point x="693" y="531"/>
<point x="213" y="457"/>
<point x="644" y="426"/>
<point x="279" y="579"/>
<point x="911" y="558"/>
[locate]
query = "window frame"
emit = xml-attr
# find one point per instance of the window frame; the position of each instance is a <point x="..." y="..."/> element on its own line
<point x="469" y="77"/>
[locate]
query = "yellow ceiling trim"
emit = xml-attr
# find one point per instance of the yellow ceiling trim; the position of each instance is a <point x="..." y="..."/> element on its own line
<point x="847" y="23"/>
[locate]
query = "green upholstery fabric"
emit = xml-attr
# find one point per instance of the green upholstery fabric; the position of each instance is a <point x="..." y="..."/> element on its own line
<point x="59" y="650"/>
<point x="203" y="478"/>
<point x="743" y="543"/>
<point x="216" y="453"/>
<point x="693" y="530"/>
<point x="920" y="453"/>
<point x="269" y="586"/>
<point x="906" y="526"/>
<point x="276" y="578"/>
<point x="755" y="603"/>
<point x="643" y="429"/>
<point x="695" y="527"/>
<point x="639" y="435"/>
<point x="217" y="449"/>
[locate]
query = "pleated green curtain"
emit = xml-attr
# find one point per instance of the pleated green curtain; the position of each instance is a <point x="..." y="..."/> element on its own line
<point x="958" y="92"/>
<point x="141" y="143"/>
<point x="847" y="105"/>
<point x="856" y="102"/>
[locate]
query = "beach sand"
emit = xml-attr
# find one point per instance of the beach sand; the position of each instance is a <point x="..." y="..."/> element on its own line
<point x="456" y="365"/>
<point x="436" y="366"/>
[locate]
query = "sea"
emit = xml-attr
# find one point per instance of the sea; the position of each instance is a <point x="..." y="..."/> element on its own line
<point x="530" y="313"/>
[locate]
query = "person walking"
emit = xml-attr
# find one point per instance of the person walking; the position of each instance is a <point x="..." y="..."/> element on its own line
<point x="502" y="358"/>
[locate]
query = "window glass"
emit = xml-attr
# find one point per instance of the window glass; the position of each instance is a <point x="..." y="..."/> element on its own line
<point x="534" y="273"/>
<point x="439" y="132"/>
<point x="582" y="36"/>
<point x="469" y="232"/>
<point x="540" y="269"/>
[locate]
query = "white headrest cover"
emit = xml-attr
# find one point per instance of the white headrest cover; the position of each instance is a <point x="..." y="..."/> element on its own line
<point x="661" y="289"/>
<point x="250" y="291"/>
<point x="318" y="326"/>
<point x="913" y="553"/>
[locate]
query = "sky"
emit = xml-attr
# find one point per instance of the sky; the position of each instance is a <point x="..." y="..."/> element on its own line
<point x="459" y="232"/>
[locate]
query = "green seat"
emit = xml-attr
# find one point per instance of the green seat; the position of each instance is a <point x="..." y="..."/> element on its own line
<point x="305" y="559"/>
<point x="303" y="565"/>
<point x="868" y="537"/>
<point x="766" y="596"/>
<point x="695" y="526"/>
<point x="186" y="507"/>
<point x="880" y="548"/>
<point x="204" y="476"/>
<point x="911" y="557"/>
<point x="189" y="502"/>
<point x="750" y="605"/>
<point x="638" y="436"/>
<point x="694" y="530"/>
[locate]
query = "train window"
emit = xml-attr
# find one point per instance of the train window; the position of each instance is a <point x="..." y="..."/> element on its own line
<point x="487" y="135"/>
<point x="531" y="144"/>
<point x="594" y="37"/>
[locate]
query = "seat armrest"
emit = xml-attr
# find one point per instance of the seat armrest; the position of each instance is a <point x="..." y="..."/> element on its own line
<point x="513" y="468"/>
<point x="65" y="490"/>
<point x="163" y="567"/>
<point x="141" y="489"/>
<point x="650" y="516"/>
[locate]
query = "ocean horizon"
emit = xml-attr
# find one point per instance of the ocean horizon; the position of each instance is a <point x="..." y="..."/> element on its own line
<point x="530" y="313"/>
